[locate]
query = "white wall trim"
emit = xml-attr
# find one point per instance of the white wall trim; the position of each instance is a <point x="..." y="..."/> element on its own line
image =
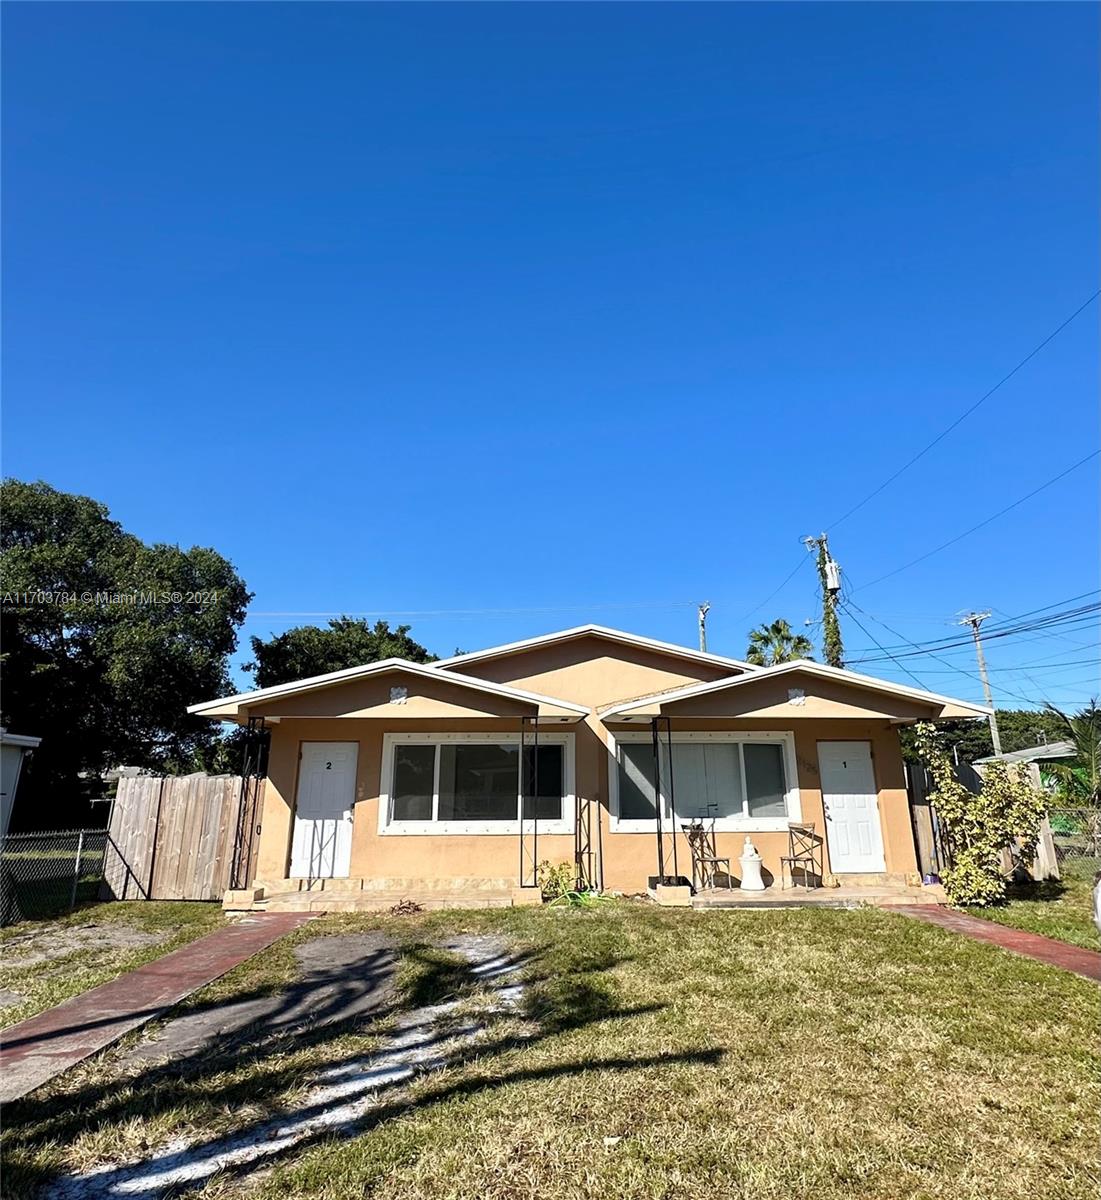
<point x="792" y="797"/>
<point x="389" y="828"/>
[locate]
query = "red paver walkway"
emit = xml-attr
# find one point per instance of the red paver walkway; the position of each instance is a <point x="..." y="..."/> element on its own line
<point x="1032" y="945"/>
<point x="41" y="1047"/>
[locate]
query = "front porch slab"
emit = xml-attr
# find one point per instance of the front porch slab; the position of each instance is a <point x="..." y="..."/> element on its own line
<point x="881" y="896"/>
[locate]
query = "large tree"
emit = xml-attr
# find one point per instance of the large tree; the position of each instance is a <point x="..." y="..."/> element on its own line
<point x="776" y="643"/>
<point x="105" y="641"/>
<point x="312" y="650"/>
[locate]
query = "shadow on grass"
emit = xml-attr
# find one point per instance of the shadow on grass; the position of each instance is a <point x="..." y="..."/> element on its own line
<point x="428" y="977"/>
<point x="1048" y="889"/>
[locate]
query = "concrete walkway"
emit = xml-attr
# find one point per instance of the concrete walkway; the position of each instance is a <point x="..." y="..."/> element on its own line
<point x="1033" y="945"/>
<point x="41" y="1047"/>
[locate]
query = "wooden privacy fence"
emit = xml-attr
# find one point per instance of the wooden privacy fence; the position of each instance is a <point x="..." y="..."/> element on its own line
<point x="174" y="838"/>
<point x="934" y="851"/>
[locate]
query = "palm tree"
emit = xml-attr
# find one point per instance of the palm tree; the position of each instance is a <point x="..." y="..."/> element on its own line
<point x="1078" y="778"/>
<point x="776" y="643"/>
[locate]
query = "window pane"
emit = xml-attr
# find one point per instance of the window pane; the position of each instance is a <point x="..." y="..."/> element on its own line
<point x="411" y="794"/>
<point x="764" y="779"/>
<point x="636" y="782"/>
<point x="543" y="788"/>
<point x="706" y="780"/>
<point x="478" y="783"/>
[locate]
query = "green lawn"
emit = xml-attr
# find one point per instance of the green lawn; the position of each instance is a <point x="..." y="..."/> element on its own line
<point x="777" y="1055"/>
<point x="1058" y="909"/>
<point x="45" y="962"/>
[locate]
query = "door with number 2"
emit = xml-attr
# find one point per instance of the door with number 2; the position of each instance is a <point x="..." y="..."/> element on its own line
<point x="321" y="847"/>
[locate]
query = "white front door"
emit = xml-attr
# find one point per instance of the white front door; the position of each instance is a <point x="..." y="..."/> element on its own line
<point x="851" y="806"/>
<point x="322" y="843"/>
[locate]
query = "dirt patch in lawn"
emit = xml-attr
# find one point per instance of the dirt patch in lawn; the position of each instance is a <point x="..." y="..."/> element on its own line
<point x="342" y="980"/>
<point x="47" y="962"/>
<point x="43" y="945"/>
<point x="337" y="1099"/>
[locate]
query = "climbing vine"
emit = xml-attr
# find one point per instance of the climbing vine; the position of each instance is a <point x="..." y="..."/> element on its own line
<point x="832" y="650"/>
<point x="1006" y="812"/>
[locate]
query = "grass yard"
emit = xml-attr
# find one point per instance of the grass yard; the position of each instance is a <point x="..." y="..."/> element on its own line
<point x="1060" y="909"/>
<point x="45" y="962"/>
<point x="777" y="1055"/>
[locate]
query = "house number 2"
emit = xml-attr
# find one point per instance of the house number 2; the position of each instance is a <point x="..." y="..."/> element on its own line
<point x="328" y="766"/>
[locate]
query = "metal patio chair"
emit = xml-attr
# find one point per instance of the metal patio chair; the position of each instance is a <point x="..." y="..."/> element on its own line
<point x="705" y="862"/>
<point x="804" y="855"/>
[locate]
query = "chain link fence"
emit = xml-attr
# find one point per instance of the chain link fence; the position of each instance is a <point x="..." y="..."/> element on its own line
<point x="1076" y="833"/>
<point x="46" y="874"/>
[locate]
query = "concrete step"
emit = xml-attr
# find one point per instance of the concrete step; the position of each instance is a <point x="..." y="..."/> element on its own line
<point x="377" y="900"/>
<point x="448" y="885"/>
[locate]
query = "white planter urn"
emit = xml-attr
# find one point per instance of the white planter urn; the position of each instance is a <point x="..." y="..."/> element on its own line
<point x="751" y="868"/>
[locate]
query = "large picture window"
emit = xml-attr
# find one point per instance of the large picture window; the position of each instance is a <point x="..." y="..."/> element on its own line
<point x="742" y="781"/>
<point x="471" y="783"/>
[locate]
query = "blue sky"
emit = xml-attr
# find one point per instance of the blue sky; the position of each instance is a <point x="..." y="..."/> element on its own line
<point x="523" y="316"/>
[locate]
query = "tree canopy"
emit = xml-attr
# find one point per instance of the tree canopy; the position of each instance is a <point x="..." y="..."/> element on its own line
<point x="1020" y="728"/>
<point x="106" y="639"/>
<point x="776" y="643"/>
<point x="313" y="650"/>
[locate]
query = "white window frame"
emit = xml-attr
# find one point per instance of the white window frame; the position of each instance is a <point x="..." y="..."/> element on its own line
<point x="389" y="828"/>
<point x="748" y="824"/>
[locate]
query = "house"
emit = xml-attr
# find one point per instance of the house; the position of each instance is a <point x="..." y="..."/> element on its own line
<point x="1032" y="757"/>
<point x="14" y="748"/>
<point x="400" y="776"/>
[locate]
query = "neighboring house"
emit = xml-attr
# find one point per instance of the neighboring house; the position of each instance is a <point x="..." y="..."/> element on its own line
<point x="401" y="775"/>
<point x="1048" y="752"/>
<point x="14" y="748"/>
<point x="1032" y="757"/>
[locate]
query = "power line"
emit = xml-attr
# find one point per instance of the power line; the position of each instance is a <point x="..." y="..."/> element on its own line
<point x="1017" y="624"/>
<point x="1022" y="670"/>
<point x="982" y="524"/>
<point x="852" y="617"/>
<point x="957" y="670"/>
<point x="965" y="414"/>
<point x="1071" y="619"/>
<point x="918" y="649"/>
<point x="776" y="591"/>
<point x="476" y="612"/>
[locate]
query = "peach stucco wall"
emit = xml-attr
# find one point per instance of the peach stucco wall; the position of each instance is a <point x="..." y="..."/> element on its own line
<point x="628" y="858"/>
<point x="588" y="671"/>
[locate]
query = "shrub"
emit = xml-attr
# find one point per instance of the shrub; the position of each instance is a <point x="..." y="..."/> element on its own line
<point x="556" y="879"/>
<point x="1006" y="812"/>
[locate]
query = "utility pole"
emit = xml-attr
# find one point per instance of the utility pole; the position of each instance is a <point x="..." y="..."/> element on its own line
<point x="975" y="620"/>
<point x="829" y="575"/>
<point x="702" y="612"/>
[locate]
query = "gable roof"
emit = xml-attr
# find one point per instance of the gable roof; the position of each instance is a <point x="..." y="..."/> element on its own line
<point x="217" y="709"/>
<point x="797" y="665"/>
<point x="601" y="631"/>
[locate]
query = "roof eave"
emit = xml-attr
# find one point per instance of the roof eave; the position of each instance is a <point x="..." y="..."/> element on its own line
<point x="618" y="635"/>
<point x="229" y="708"/>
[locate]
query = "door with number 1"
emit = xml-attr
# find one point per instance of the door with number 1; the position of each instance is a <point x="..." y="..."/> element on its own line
<point x="322" y="844"/>
<point x="851" y="807"/>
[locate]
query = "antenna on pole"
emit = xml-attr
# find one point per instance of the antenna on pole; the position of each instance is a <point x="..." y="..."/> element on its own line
<point x="701" y="616"/>
<point x="975" y="620"/>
